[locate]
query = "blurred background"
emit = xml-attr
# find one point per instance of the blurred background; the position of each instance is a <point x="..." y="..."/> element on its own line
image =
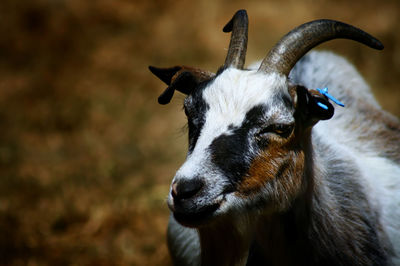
<point x="86" y="153"/>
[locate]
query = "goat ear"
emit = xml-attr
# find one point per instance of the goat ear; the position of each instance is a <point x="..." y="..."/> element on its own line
<point x="185" y="82"/>
<point x="181" y="78"/>
<point x="165" y="74"/>
<point x="311" y="105"/>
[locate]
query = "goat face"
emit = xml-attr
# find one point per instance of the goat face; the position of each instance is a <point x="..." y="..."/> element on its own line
<point x="248" y="129"/>
<point x="243" y="148"/>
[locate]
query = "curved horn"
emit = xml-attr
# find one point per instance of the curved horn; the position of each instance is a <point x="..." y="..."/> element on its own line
<point x="284" y="55"/>
<point x="238" y="25"/>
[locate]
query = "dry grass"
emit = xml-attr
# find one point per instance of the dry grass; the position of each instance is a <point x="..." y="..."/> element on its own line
<point x="86" y="154"/>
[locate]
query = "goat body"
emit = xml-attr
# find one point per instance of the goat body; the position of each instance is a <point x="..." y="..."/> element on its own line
<point x="265" y="183"/>
<point x="349" y="213"/>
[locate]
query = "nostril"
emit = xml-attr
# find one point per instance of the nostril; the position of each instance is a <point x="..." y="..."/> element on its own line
<point x="174" y="190"/>
<point x="185" y="189"/>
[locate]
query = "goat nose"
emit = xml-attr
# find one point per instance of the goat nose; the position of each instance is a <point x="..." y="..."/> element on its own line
<point x="185" y="189"/>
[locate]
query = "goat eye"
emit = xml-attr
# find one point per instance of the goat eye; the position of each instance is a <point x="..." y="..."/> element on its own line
<point x="282" y="130"/>
<point x="192" y="120"/>
<point x="188" y="110"/>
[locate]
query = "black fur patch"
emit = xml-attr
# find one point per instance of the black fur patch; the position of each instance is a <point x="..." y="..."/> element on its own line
<point x="232" y="153"/>
<point x="195" y="110"/>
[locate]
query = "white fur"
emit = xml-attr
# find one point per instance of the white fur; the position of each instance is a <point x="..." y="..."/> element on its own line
<point x="380" y="176"/>
<point x="229" y="98"/>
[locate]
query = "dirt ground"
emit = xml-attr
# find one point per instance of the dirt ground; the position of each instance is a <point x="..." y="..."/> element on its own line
<point x="86" y="153"/>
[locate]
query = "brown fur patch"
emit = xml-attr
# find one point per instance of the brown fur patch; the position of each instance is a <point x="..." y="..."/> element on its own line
<point x="280" y="167"/>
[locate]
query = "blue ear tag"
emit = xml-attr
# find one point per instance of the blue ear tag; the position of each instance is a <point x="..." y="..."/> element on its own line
<point x="323" y="106"/>
<point x="330" y="97"/>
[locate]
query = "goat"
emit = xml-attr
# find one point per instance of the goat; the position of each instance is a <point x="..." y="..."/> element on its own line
<point x="264" y="183"/>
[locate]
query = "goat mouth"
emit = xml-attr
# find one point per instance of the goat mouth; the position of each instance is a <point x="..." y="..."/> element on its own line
<point x="196" y="218"/>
